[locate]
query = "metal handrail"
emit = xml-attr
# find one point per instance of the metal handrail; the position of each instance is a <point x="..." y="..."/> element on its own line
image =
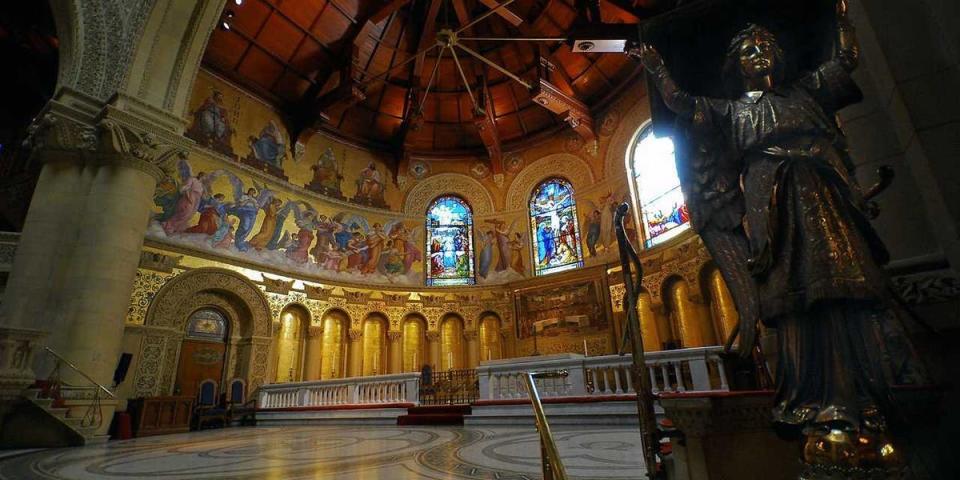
<point x="77" y="369"/>
<point x="550" y="456"/>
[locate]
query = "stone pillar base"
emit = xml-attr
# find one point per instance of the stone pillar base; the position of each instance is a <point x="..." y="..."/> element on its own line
<point x="18" y="347"/>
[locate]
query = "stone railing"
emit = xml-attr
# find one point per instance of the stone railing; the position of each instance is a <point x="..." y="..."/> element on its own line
<point x="375" y="390"/>
<point x="684" y="370"/>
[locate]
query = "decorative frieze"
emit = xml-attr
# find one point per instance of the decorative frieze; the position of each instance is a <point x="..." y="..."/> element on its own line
<point x="277" y="285"/>
<point x="159" y="262"/>
<point x="396" y="299"/>
<point x="354" y="296"/>
<point x="317" y="292"/>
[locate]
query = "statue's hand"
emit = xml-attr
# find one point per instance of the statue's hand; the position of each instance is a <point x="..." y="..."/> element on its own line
<point x="841" y="8"/>
<point x="650" y="57"/>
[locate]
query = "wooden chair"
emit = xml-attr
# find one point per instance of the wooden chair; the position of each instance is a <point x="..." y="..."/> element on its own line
<point x="209" y="410"/>
<point x="239" y="407"/>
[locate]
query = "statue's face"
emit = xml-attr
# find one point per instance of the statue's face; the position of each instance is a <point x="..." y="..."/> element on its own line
<point x="757" y="57"/>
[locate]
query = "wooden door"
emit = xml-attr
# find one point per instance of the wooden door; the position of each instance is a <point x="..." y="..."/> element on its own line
<point x="199" y="361"/>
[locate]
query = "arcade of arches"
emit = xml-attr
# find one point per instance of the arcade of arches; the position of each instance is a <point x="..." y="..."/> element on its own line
<point x="204" y="191"/>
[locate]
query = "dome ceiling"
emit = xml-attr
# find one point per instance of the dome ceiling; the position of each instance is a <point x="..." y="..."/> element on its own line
<point x="350" y="67"/>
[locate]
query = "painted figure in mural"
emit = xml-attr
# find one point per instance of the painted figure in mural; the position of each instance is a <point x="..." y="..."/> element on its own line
<point x="327" y="174"/>
<point x="223" y="237"/>
<point x="356" y="251"/>
<point x="502" y="236"/>
<point x="212" y="209"/>
<point x="593" y="231"/>
<point x="269" y="147"/>
<point x="370" y="186"/>
<point x="545" y="243"/>
<point x="376" y="241"/>
<point x="516" y="253"/>
<point x="486" y="253"/>
<point x="211" y="127"/>
<point x="246" y="206"/>
<point x="436" y="257"/>
<point x="403" y="249"/>
<point x="326" y="240"/>
<point x="770" y="188"/>
<point x="268" y="226"/>
<point x="192" y="189"/>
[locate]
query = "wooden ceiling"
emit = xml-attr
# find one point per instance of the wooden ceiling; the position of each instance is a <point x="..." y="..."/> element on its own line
<point x="348" y="67"/>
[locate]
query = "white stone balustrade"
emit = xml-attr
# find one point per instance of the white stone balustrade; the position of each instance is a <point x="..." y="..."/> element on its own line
<point x="373" y="390"/>
<point x="684" y="370"/>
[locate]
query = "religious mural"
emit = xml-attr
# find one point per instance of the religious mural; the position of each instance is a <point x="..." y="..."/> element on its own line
<point x="214" y="209"/>
<point x="563" y="311"/>
<point x="502" y="251"/>
<point x="450" y="242"/>
<point x="597" y="221"/>
<point x="328" y="174"/>
<point x="246" y="130"/>
<point x="267" y="150"/>
<point x="211" y="124"/>
<point x="553" y="222"/>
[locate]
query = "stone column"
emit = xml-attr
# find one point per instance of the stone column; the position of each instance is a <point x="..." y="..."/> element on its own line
<point x="473" y="349"/>
<point x="354" y="353"/>
<point x="395" y="346"/>
<point x="78" y="256"/>
<point x="311" y="362"/>
<point x="433" y="346"/>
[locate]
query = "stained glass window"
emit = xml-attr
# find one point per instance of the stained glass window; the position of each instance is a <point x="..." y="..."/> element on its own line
<point x="663" y="210"/>
<point x="554" y="228"/>
<point x="450" y="242"/>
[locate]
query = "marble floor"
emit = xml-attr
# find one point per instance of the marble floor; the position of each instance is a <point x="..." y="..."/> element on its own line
<point x="340" y="453"/>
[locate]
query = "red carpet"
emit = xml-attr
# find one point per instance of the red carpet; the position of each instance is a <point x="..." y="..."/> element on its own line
<point x="435" y="415"/>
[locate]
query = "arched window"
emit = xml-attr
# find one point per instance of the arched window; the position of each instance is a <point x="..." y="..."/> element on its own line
<point x="450" y="242"/>
<point x="554" y="228"/>
<point x="656" y="187"/>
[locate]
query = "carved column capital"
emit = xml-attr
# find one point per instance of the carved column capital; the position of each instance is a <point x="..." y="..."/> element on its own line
<point x="54" y="136"/>
<point x="470" y="335"/>
<point x="137" y="147"/>
<point x="314" y="331"/>
<point x="354" y="335"/>
<point x="506" y="332"/>
<point x="394" y="336"/>
<point x="433" y="336"/>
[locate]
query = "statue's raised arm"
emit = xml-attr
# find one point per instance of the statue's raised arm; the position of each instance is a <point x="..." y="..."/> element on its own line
<point x="676" y="99"/>
<point x="848" y="50"/>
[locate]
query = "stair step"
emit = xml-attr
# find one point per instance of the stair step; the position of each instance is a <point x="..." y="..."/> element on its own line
<point x="440" y="409"/>
<point x="430" y="419"/>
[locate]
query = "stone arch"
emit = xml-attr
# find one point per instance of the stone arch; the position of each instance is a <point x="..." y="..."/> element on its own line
<point x="175" y="296"/>
<point x="123" y="47"/>
<point x="569" y="166"/>
<point x="633" y="119"/>
<point x="165" y="327"/>
<point x="471" y="190"/>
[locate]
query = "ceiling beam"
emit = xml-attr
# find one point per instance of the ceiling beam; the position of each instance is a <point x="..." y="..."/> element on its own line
<point x="427" y="36"/>
<point x="630" y="7"/>
<point x="504" y="13"/>
<point x="312" y="109"/>
<point x="487" y="129"/>
<point x="573" y="111"/>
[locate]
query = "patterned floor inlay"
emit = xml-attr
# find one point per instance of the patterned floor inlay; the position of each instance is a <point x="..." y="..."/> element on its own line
<point x="341" y="453"/>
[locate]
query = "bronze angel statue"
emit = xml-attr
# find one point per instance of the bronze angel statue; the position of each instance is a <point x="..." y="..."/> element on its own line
<point x="770" y="188"/>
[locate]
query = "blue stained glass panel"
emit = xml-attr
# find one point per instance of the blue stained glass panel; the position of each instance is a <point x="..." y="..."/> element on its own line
<point x="554" y="228"/>
<point x="449" y="242"/>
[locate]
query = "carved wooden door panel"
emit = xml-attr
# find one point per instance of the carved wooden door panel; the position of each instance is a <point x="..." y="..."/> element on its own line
<point x="199" y="361"/>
